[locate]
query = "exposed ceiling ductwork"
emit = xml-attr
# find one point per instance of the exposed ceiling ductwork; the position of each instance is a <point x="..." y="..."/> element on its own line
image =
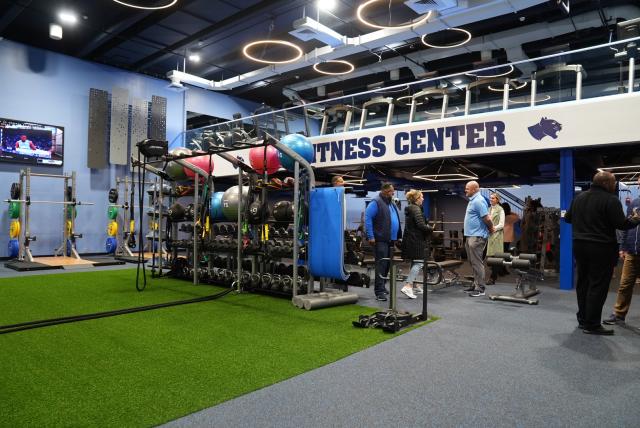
<point x="511" y="41"/>
<point x="340" y="46"/>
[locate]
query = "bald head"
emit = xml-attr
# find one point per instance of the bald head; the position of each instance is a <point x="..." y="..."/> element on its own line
<point x="605" y="180"/>
<point x="471" y="188"/>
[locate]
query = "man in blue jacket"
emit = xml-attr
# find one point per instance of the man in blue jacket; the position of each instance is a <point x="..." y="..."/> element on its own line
<point x="382" y="222"/>
<point x="630" y="253"/>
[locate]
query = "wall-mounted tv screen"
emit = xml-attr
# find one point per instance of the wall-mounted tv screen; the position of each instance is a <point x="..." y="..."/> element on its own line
<point x="29" y="142"/>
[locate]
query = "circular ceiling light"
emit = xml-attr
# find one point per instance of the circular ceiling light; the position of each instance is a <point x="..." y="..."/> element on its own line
<point x="515" y="88"/>
<point x="349" y="69"/>
<point x="392" y="90"/>
<point x="168" y="3"/>
<point x="293" y="46"/>
<point x="457" y="109"/>
<point x="525" y="101"/>
<point x="467" y="37"/>
<point x="366" y="4"/>
<point x="490" y="76"/>
<point x="408" y="97"/>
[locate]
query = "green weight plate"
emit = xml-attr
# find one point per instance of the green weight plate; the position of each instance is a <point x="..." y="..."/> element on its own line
<point x="112" y="213"/>
<point x="14" y="209"/>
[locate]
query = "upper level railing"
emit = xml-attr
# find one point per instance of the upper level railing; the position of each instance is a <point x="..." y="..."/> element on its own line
<point x="591" y="72"/>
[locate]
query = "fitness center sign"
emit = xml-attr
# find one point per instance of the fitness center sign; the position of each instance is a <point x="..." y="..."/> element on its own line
<point x="595" y="121"/>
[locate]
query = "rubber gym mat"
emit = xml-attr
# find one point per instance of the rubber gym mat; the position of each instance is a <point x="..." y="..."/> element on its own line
<point x="27" y="266"/>
<point x="327" y="213"/>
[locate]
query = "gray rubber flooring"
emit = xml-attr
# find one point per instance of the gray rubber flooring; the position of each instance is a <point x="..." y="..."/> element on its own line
<point x="483" y="364"/>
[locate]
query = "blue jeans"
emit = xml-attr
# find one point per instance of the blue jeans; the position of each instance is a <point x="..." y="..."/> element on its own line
<point x="381" y="251"/>
<point x="416" y="267"/>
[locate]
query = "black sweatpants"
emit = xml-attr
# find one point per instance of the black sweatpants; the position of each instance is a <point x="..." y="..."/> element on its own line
<point x="595" y="262"/>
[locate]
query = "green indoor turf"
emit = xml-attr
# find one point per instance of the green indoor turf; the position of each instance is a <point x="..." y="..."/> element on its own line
<point x="150" y="367"/>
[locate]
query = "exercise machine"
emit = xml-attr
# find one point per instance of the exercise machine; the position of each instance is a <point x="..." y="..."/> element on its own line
<point x="524" y="266"/>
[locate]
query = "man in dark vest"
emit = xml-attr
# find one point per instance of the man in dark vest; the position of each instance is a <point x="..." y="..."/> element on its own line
<point x="595" y="215"/>
<point x="382" y="222"/>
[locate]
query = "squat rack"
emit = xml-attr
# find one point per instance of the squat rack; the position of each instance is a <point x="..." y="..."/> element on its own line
<point x="68" y="229"/>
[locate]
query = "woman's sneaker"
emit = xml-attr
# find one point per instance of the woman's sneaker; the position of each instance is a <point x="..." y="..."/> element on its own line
<point x="408" y="292"/>
<point x="418" y="290"/>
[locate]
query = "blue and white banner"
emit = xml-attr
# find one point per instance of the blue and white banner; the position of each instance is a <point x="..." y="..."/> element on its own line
<point x="590" y="122"/>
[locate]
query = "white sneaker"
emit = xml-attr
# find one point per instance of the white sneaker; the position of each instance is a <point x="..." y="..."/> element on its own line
<point x="418" y="290"/>
<point x="408" y="292"/>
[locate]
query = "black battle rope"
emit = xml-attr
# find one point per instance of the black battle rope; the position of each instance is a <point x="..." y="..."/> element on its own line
<point x="141" y="178"/>
<point x="12" y="328"/>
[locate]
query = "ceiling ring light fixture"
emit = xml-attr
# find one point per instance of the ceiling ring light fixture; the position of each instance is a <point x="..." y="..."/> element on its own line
<point x="407" y="103"/>
<point x="295" y="47"/>
<point x="368" y="3"/>
<point x="515" y="88"/>
<point x="350" y="67"/>
<point x="439" y="113"/>
<point x="491" y="76"/>
<point x="454" y="45"/>
<point x="169" y="3"/>
<point x="538" y="100"/>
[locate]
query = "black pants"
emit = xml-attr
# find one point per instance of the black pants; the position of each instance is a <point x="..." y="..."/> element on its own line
<point x="595" y="263"/>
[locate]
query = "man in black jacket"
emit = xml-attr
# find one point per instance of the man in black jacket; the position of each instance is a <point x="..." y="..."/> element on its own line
<point x="595" y="216"/>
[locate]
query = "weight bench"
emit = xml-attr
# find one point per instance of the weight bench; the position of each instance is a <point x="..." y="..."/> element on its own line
<point x="443" y="274"/>
<point x="523" y="265"/>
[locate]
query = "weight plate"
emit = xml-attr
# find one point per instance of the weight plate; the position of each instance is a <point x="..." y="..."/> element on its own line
<point x="14" y="229"/>
<point x="15" y="191"/>
<point x="14" y="248"/>
<point x="112" y="228"/>
<point x="14" y="209"/>
<point x="112" y="213"/>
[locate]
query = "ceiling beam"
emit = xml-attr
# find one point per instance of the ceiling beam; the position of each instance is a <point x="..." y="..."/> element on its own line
<point x="131" y="24"/>
<point x="263" y="6"/>
<point x="12" y="13"/>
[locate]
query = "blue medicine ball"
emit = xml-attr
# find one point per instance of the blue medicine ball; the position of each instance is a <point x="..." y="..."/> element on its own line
<point x="216" y="207"/>
<point x="299" y="144"/>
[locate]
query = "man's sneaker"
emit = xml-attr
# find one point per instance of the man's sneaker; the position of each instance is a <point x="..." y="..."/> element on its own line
<point x="385" y="292"/>
<point x="469" y="289"/>
<point x="381" y="298"/>
<point x="477" y="293"/>
<point x="408" y="292"/>
<point x="613" y="320"/>
<point x="418" y="290"/>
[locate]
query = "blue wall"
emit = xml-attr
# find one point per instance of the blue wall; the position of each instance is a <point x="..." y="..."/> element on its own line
<point x="46" y="87"/>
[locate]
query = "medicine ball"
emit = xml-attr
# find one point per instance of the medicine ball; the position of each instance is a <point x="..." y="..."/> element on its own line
<point x="176" y="212"/>
<point x="230" y="202"/>
<point x="299" y="144"/>
<point x="283" y="211"/>
<point x="257" y="211"/>
<point x="174" y="169"/>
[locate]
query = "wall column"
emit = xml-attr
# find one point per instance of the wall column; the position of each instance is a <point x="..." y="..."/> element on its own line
<point x="566" y="196"/>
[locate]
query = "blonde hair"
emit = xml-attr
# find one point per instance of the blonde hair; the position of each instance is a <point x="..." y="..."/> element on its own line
<point x="497" y="196"/>
<point x="413" y="195"/>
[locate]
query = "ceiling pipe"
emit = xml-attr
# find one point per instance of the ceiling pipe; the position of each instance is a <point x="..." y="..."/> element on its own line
<point x="510" y="40"/>
<point x="478" y="11"/>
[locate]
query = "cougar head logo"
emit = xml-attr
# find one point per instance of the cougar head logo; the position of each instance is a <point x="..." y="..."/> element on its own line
<point x="545" y="127"/>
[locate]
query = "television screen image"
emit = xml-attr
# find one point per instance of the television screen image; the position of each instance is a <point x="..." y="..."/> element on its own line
<point x="28" y="142"/>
